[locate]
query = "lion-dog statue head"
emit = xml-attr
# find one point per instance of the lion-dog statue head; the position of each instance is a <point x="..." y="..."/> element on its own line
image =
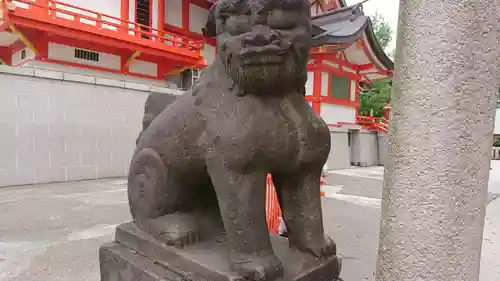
<point x="263" y="44"/>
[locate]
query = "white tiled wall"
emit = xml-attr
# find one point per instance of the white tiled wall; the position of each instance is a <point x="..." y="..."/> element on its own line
<point x="53" y="130"/>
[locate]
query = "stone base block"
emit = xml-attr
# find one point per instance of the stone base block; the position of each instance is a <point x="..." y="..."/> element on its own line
<point x="137" y="256"/>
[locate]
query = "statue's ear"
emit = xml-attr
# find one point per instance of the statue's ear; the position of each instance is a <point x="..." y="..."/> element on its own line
<point x="210" y="26"/>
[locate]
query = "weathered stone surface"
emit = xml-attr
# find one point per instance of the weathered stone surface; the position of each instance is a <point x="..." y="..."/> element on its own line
<point x="122" y="264"/>
<point x="200" y="165"/>
<point x="155" y="104"/>
<point x="440" y="139"/>
<point x="136" y="254"/>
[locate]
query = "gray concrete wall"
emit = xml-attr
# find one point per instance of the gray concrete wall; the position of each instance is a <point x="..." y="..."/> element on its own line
<point x="57" y="126"/>
<point x="365" y="150"/>
<point x="339" y="157"/>
<point x="370" y="148"/>
<point x="382" y="147"/>
<point x="356" y="149"/>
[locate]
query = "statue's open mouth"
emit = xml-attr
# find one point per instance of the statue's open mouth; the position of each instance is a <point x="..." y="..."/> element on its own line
<point x="263" y="59"/>
<point x="265" y="55"/>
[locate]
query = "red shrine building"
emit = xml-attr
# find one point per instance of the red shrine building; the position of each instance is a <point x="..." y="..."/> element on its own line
<point x="346" y="54"/>
<point x="150" y="39"/>
<point x="75" y="75"/>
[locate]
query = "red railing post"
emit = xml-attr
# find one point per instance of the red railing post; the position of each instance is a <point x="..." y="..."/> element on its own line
<point x="42" y="7"/>
<point x="373" y="123"/>
<point x="387" y="111"/>
<point x="98" y="21"/>
<point x="43" y="3"/>
<point x="3" y="9"/>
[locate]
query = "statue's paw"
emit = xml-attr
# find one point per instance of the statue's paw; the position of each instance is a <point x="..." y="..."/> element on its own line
<point x="321" y="248"/>
<point x="258" y="268"/>
<point x="178" y="230"/>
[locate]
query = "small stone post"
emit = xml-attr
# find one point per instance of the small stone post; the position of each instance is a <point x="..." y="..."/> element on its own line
<point x="436" y="176"/>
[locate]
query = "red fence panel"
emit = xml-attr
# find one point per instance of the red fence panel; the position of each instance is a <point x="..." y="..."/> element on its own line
<point x="273" y="210"/>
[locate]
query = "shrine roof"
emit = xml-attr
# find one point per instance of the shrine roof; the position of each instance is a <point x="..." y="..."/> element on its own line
<point x="348" y="30"/>
<point x="342" y="28"/>
<point x="339" y="26"/>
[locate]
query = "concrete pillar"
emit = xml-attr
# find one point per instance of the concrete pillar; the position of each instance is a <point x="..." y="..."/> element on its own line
<point x="436" y="175"/>
<point x="364" y="148"/>
<point x="339" y="157"/>
<point x="382" y="147"/>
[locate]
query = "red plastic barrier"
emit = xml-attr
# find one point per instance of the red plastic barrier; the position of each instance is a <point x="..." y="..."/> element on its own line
<point x="273" y="210"/>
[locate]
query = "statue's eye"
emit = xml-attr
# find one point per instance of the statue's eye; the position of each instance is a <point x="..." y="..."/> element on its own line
<point x="238" y="24"/>
<point x="282" y="19"/>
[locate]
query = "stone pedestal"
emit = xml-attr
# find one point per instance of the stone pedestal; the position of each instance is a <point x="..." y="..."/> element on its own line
<point x="135" y="256"/>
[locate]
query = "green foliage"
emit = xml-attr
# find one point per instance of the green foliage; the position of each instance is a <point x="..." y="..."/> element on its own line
<point x="496" y="144"/>
<point x="372" y="102"/>
<point x="383" y="31"/>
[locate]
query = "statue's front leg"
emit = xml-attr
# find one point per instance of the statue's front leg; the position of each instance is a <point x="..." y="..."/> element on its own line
<point x="300" y="201"/>
<point x="241" y="199"/>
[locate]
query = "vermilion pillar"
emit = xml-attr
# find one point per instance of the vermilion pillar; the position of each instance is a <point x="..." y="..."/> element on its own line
<point x="124" y="12"/>
<point x="161" y="17"/>
<point x="316" y="95"/>
<point x="185" y="14"/>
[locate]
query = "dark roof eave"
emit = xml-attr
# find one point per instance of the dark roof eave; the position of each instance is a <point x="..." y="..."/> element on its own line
<point x="370" y="35"/>
<point x="344" y="39"/>
<point x="375" y="46"/>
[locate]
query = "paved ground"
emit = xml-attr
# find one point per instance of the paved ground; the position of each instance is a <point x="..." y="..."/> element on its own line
<point x="52" y="232"/>
<point x="356" y="228"/>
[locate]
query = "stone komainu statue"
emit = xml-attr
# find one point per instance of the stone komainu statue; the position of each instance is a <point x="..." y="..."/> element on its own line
<point x="200" y="167"/>
<point x="155" y="104"/>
